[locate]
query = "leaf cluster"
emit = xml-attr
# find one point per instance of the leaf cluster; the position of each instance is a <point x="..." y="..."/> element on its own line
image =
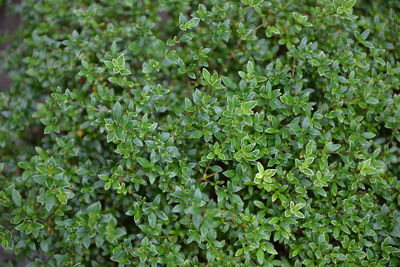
<point x="225" y="133"/>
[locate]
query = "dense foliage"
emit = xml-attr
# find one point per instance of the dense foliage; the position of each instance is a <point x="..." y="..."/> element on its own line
<point x="202" y="133"/>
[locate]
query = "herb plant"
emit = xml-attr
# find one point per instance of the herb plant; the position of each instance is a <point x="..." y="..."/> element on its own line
<point x="202" y="133"/>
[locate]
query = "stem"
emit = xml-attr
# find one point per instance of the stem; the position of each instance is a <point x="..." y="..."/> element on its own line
<point x="206" y="177"/>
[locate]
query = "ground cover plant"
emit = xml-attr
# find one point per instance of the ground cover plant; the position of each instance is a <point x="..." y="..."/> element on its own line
<point x="202" y="133"/>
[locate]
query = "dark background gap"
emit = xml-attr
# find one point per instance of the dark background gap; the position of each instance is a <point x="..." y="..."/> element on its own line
<point x="8" y="25"/>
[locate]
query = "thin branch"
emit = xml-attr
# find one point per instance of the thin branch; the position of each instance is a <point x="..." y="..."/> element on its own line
<point x="89" y="107"/>
<point x="205" y="177"/>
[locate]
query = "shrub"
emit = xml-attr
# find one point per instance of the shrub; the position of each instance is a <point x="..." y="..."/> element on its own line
<point x="224" y="133"/>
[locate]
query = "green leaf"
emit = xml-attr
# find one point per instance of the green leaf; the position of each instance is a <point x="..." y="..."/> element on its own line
<point x="147" y="67"/>
<point x="239" y="252"/>
<point x="259" y="204"/>
<point x="203" y="230"/>
<point x="368" y="171"/>
<point x="368" y="135"/>
<point x="40" y="179"/>
<point x="258" y="179"/>
<point x="260" y="167"/>
<point x="108" y="64"/>
<point x="117" y="111"/>
<point x="349" y="3"/>
<point x="206" y="76"/>
<point x="271" y="30"/>
<point x="86" y="241"/>
<point x="121" y="61"/>
<point x="260" y="256"/>
<point x="152" y="219"/>
<point x="143" y="162"/>
<point x="365" y="34"/>
<point x="125" y="72"/>
<point x="16" y="197"/>
<point x="307" y="171"/>
<point x="331" y="147"/>
<point x="197" y="134"/>
<point x="182" y="19"/>
<point x="298" y="214"/>
<point x="130" y="2"/>
<point x="50" y="201"/>
<point x="365" y="164"/>
<point x="270" y="249"/>
<point x="246" y="107"/>
<point x="192" y="23"/>
<point x="309" y="148"/>
<point x="229" y="173"/>
<point x="269" y="172"/>
<point x="320" y="191"/>
<point x="302" y="19"/>
<point x="196" y="217"/>
<point x="188" y="104"/>
<point x="31" y="72"/>
<point x="250" y="67"/>
<point x="24" y="165"/>
<point x="94" y="208"/>
<point x="372" y="100"/>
